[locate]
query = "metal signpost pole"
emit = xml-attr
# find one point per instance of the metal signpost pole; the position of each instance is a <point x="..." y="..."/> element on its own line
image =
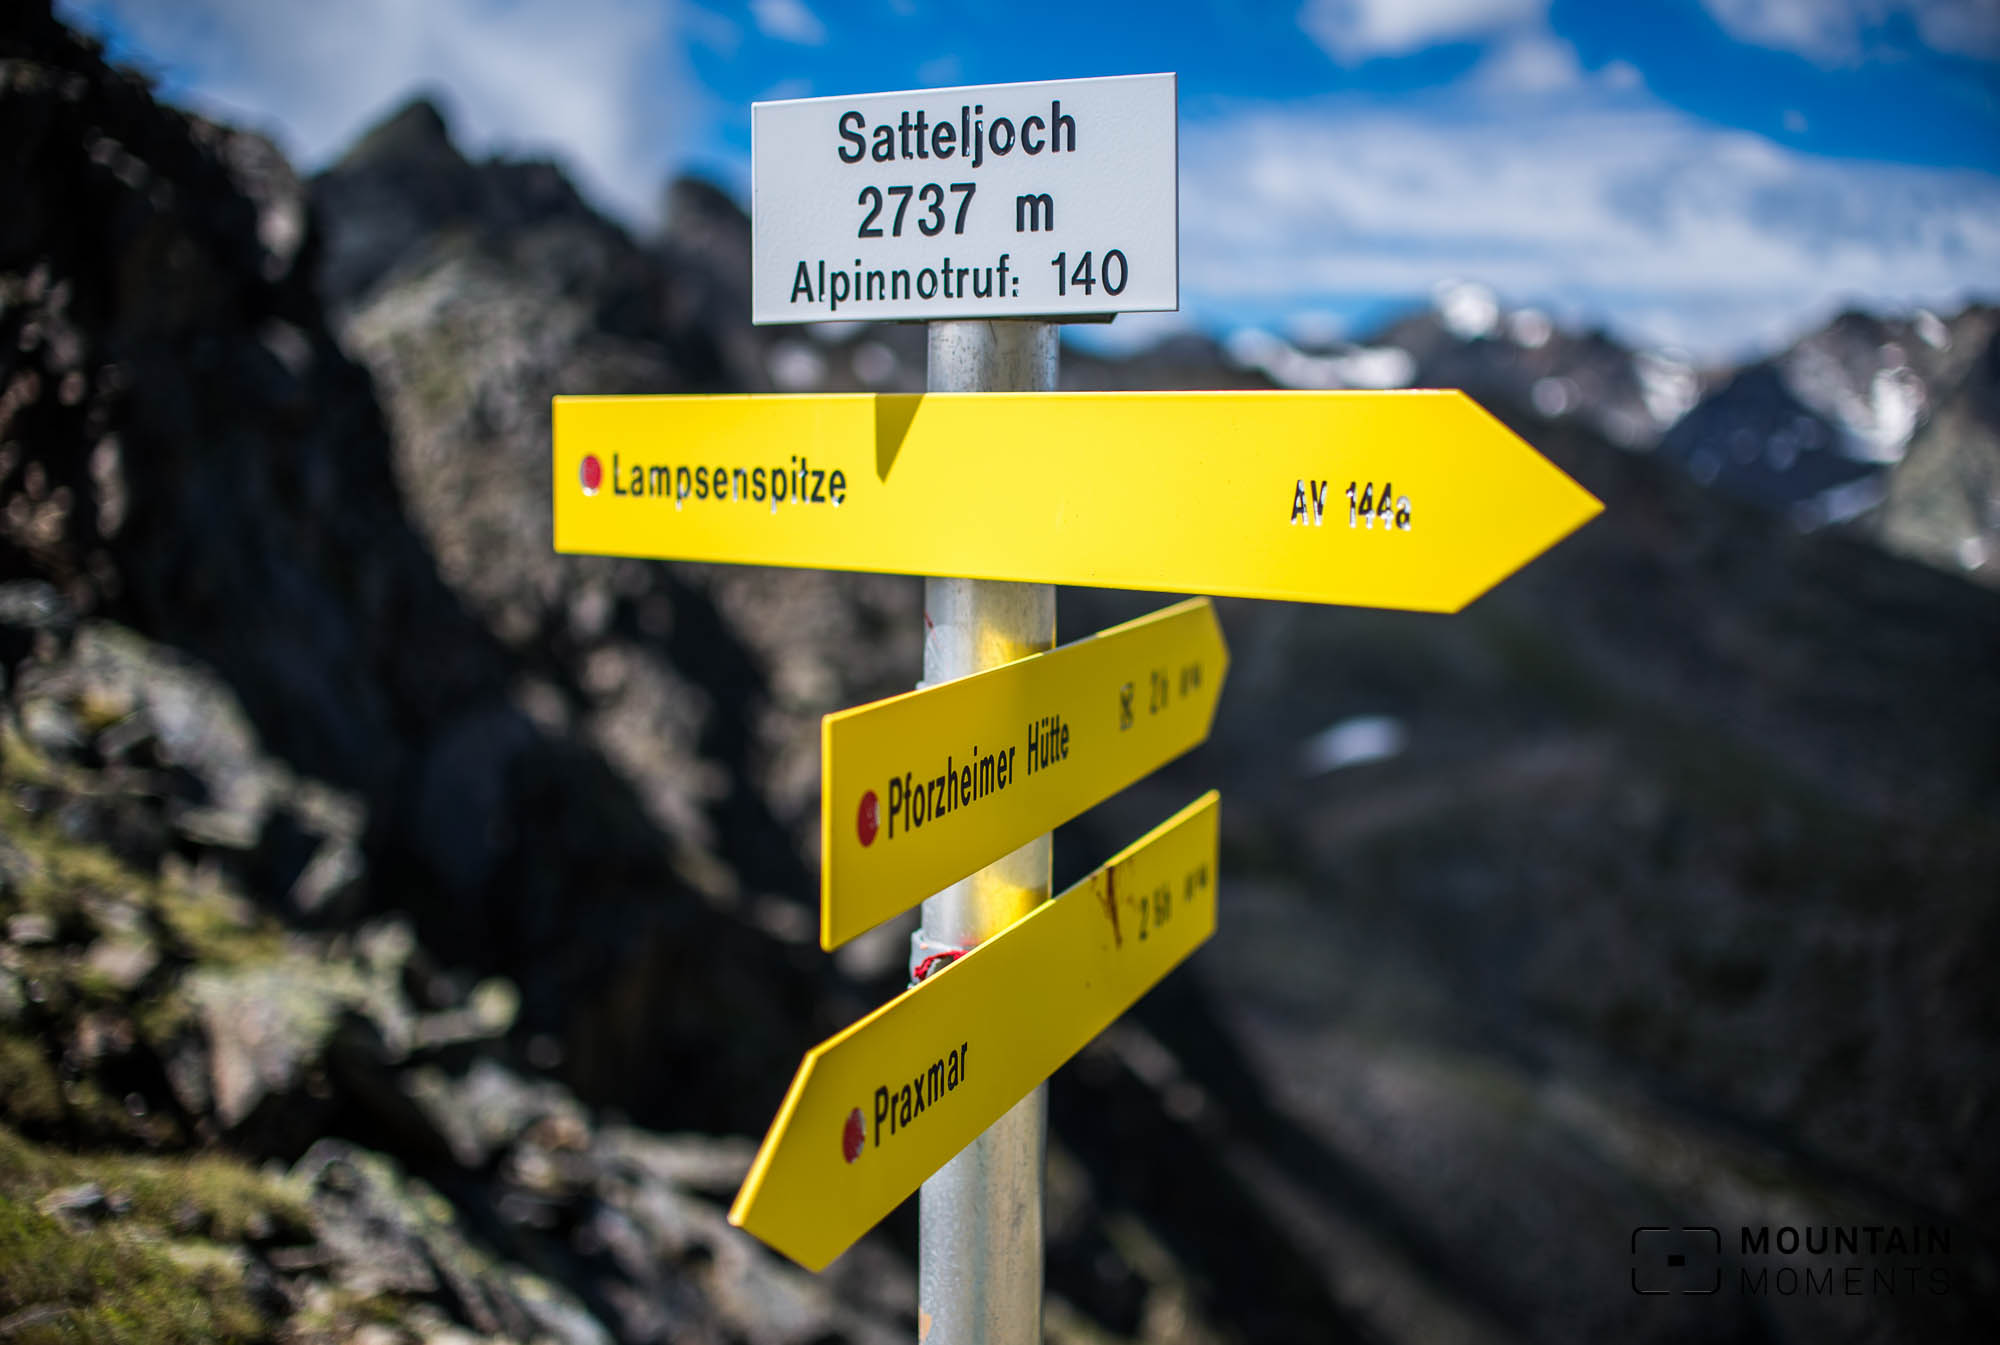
<point x="979" y="1253"/>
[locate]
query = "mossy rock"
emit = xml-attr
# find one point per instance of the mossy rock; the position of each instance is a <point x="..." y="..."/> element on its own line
<point x="163" y="1265"/>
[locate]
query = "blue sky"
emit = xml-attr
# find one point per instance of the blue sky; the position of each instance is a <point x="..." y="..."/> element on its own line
<point x="1710" y="174"/>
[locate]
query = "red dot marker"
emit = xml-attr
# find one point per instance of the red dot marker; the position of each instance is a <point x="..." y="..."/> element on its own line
<point x="868" y="820"/>
<point x="592" y="474"/>
<point x="851" y="1136"/>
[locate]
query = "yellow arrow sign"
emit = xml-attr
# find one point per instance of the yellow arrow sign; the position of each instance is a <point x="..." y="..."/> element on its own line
<point x="875" y="1110"/>
<point x="921" y="789"/>
<point x="1416" y="500"/>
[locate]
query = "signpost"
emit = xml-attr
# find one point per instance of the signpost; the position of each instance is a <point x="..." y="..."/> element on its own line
<point x="1414" y="500"/>
<point x="879" y="1107"/>
<point x="1000" y="201"/>
<point x="916" y="789"/>
<point x="989" y="213"/>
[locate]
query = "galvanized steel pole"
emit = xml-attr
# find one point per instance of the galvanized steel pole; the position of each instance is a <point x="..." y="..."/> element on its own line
<point x="979" y="1251"/>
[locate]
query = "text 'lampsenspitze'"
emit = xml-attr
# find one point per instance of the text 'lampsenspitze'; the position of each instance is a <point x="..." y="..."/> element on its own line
<point x="1000" y="200"/>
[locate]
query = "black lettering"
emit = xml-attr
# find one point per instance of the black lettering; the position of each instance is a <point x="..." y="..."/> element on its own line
<point x="1032" y="146"/>
<point x="853" y="136"/>
<point x="920" y="129"/>
<point x="1059" y="121"/>
<point x="885" y="143"/>
<point x="1034" y="212"/>
<point x="659" y="481"/>
<point x="917" y="1090"/>
<point x="1824" y="1238"/>
<point x="757" y="484"/>
<point x="701" y="483"/>
<point x="616" y="489"/>
<point x="881" y="1113"/>
<point x="1760" y="1285"/>
<point x="716" y="475"/>
<point x="878" y="285"/>
<point x="638" y="479"/>
<point x="839" y="484"/>
<point x="1782" y="1272"/>
<point x="1788" y="1234"/>
<point x="739" y="481"/>
<point x="944" y="140"/>
<point x="802" y="282"/>
<point x="905" y="128"/>
<point x="982" y="291"/>
<point x="1007" y="773"/>
<point x="899" y="280"/>
<point x="1816" y="1285"/>
<point x="965" y="783"/>
<point x="986" y="775"/>
<point x="895" y="803"/>
<point x="819" y="481"/>
<point x="927" y="275"/>
<point x="934" y="1079"/>
<point x="781" y="481"/>
<point x="993" y="137"/>
<point x="903" y="1106"/>
<point x="683" y="484"/>
<point x="1758" y="1244"/>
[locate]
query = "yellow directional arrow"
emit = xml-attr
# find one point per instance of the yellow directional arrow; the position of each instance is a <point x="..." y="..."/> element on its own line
<point x="921" y="789"/>
<point x="875" y="1110"/>
<point x="1416" y="500"/>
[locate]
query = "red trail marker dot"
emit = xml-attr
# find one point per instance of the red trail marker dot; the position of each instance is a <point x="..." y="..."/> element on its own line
<point x="851" y="1136"/>
<point x="868" y="819"/>
<point x="591" y="474"/>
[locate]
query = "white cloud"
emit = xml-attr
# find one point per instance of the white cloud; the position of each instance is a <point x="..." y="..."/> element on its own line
<point x="1533" y="62"/>
<point x="1593" y="203"/>
<point x="1355" y="30"/>
<point x="601" y="83"/>
<point x="1847" y="32"/>
<point x="788" y="21"/>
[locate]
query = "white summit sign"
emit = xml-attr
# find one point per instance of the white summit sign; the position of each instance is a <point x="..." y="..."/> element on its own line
<point x="996" y="200"/>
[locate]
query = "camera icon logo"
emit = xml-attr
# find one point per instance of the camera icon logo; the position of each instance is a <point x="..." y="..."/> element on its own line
<point x="1684" y="1260"/>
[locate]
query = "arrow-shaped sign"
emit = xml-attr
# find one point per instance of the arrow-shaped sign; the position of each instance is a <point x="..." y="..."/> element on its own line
<point x="918" y="790"/>
<point x="874" y="1111"/>
<point x="1417" y="500"/>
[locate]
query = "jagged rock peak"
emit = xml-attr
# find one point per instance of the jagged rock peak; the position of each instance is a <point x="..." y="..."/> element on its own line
<point x="406" y="181"/>
<point x="417" y="131"/>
